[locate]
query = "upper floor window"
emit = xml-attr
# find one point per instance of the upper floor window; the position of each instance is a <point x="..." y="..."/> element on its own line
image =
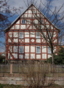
<point x="38" y="49"/>
<point x="22" y="21"/>
<point x="21" y="49"/>
<point x="49" y="50"/>
<point x="37" y="35"/>
<point x="20" y="34"/>
<point x="41" y="22"/>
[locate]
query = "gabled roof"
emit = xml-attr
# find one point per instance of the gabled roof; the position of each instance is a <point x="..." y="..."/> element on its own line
<point x="23" y="13"/>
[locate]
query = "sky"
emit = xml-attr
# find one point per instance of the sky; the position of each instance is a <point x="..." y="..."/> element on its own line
<point x="23" y="3"/>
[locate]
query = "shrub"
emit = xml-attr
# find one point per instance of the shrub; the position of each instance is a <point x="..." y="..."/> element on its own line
<point x="58" y="59"/>
<point x="2" y="59"/>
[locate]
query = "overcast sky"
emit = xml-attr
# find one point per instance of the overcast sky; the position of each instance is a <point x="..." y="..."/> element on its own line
<point x="21" y="3"/>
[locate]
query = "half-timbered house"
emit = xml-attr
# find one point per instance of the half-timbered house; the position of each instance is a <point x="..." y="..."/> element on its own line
<point x="23" y="41"/>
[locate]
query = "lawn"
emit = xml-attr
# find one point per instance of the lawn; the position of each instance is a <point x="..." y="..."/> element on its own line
<point x="19" y="86"/>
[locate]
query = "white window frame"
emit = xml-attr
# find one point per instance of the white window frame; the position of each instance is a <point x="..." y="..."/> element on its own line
<point x="37" y="49"/>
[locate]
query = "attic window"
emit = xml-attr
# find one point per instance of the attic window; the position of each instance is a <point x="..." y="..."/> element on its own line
<point x="22" y="21"/>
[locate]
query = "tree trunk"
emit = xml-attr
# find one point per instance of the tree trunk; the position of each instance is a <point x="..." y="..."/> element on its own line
<point x="52" y="62"/>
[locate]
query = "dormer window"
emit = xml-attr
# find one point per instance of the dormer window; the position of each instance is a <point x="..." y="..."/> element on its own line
<point x="22" y="21"/>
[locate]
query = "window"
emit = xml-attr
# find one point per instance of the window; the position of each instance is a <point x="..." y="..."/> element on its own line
<point x="41" y="22"/>
<point x="37" y="35"/>
<point x="49" y="50"/>
<point x="15" y="48"/>
<point x="38" y="49"/>
<point x="23" y="21"/>
<point x="21" y="49"/>
<point x="20" y="34"/>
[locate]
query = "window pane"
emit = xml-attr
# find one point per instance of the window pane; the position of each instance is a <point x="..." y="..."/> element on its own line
<point x="15" y="48"/>
<point x="21" y="49"/>
<point x="49" y="50"/>
<point x="41" y="21"/>
<point x="23" y="21"/>
<point x="38" y="49"/>
<point x="20" y="34"/>
<point x="37" y="35"/>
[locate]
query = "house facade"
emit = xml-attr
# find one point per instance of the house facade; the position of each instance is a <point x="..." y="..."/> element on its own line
<point x="23" y="41"/>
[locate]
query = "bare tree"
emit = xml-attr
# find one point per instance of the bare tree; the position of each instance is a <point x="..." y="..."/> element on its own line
<point x="6" y="12"/>
<point x="54" y="18"/>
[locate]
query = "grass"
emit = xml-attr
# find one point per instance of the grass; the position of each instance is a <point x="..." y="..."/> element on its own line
<point x="19" y="86"/>
<point x="10" y="86"/>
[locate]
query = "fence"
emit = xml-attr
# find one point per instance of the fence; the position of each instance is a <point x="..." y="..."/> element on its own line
<point x="24" y="68"/>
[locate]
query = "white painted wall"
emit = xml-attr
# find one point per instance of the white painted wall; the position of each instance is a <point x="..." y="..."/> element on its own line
<point x="23" y="26"/>
<point x="54" y="34"/>
<point x="26" y="34"/>
<point x="38" y="56"/>
<point x="55" y="41"/>
<point x="26" y="48"/>
<point x="32" y="34"/>
<point x="12" y="27"/>
<point x="29" y="15"/>
<point x="44" y="49"/>
<point x="15" y="34"/>
<point x="32" y="48"/>
<point x="9" y="40"/>
<point x="35" y="21"/>
<point x="15" y="40"/>
<point x="9" y="56"/>
<point x="32" y="56"/>
<point x="49" y="56"/>
<point x="27" y="40"/>
<point x="38" y="40"/>
<point x="10" y="34"/>
<point x="30" y="27"/>
<point x="17" y="22"/>
<point x="26" y="56"/>
<point x="20" y="56"/>
<point x="25" y="15"/>
<point x="29" y="11"/>
<point x="15" y="56"/>
<point x="44" y="56"/>
<point x="17" y="26"/>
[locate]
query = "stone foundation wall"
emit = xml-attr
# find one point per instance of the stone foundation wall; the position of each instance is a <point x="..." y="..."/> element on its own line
<point x="21" y="79"/>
